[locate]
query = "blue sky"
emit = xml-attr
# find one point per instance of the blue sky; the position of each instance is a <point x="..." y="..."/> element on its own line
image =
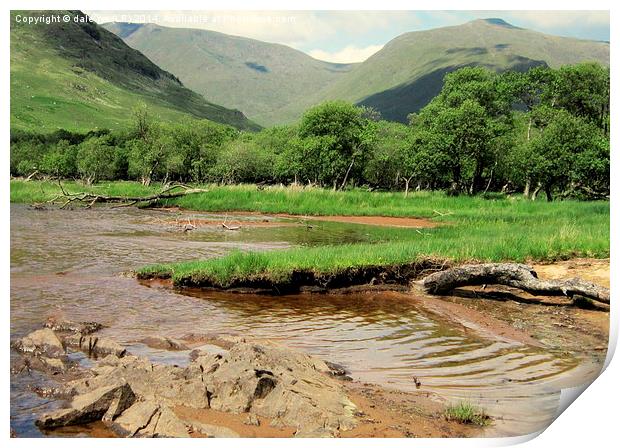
<point x="352" y="36"/>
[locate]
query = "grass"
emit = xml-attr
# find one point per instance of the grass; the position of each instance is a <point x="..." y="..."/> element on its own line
<point x="465" y="412"/>
<point x="473" y="229"/>
<point x="63" y="78"/>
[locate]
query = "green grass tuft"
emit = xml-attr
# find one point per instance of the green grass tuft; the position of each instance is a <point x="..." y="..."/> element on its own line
<point x="467" y="413"/>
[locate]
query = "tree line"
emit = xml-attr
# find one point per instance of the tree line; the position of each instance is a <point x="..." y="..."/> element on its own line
<point x="541" y="130"/>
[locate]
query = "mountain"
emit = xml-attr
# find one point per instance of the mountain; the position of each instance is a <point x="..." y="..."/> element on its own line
<point x="256" y="77"/>
<point x="408" y="71"/>
<point x="274" y="84"/>
<point x="79" y="76"/>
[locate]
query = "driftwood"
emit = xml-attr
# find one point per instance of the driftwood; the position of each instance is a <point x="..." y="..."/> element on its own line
<point x="91" y="199"/>
<point x="514" y="275"/>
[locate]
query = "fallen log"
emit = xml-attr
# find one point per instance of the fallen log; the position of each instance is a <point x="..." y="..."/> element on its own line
<point x="514" y="275"/>
<point x="91" y="199"/>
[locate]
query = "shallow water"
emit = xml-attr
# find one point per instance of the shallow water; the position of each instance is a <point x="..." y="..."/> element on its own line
<point x="67" y="264"/>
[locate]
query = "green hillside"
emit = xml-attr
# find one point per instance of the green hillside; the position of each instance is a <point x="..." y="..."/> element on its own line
<point x="274" y="84"/>
<point x="79" y="76"/>
<point x="256" y="77"/>
<point x="405" y="74"/>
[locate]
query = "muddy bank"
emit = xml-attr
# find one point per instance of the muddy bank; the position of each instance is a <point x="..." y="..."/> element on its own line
<point x="257" y="219"/>
<point x="310" y="281"/>
<point x="554" y="323"/>
<point x="230" y="387"/>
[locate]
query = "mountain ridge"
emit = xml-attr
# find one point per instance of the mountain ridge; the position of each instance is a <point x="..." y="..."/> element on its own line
<point x="256" y="77"/>
<point x="78" y="75"/>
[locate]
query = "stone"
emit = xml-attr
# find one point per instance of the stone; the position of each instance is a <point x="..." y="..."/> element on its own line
<point x="314" y="433"/>
<point x="169" y="425"/>
<point x="90" y="407"/>
<point x="213" y="430"/>
<point x="252" y="420"/>
<point x="41" y="342"/>
<point x="164" y="343"/>
<point x="136" y="418"/>
<point x="72" y="327"/>
<point x="95" y="346"/>
<point x="290" y="388"/>
<point x="266" y="380"/>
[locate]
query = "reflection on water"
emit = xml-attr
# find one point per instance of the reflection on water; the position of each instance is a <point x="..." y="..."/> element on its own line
<point x="66" y="263"/>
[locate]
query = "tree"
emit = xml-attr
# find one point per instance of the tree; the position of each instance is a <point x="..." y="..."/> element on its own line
<point x="60" y="160"/>
<point x="242" y="161"/>
<point x="153" y="156"/>
<point x="567" y="151"/>
<point x="582" y="90"/>
<point x="385" y="160"/>
<point x="472" y="111"/>
<point x="95" y="159"/>
<point x="349" y="135"/>
<point x="462" y="134"/>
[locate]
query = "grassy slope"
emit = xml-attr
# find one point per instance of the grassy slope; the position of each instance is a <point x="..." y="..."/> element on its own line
<point x="62" y="77"/>
<point x="476" y="229"/>
<point x="408" y="71"/>
<point x="257" y="77"/>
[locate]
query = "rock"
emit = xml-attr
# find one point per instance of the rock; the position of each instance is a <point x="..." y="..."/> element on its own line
<point x="213" y="430"/>
<point x="40" y="342"/>
<point x="289" y="387"/>
<point x="165" y="384"/>
<point x="252" y="420"/>
<point x="149" y="419"/>
<point x="136" y="418"/>
<point x="314" y="434"/>
<point x="51" y="366"/>
<point x="72" y="327"/>
<point x="95" y="346"/>
<point x="169" y="425"/>
<point x="164" y="343"/>
<point x="91" y="406"/>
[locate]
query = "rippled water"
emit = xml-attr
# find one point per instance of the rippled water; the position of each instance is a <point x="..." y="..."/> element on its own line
<point x="66" y="263"/>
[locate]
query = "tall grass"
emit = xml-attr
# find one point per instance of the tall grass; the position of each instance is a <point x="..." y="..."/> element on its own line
<point x="472" y="228"/>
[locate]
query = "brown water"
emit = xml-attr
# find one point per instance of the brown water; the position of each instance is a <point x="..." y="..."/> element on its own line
<point x="67" y="264"/>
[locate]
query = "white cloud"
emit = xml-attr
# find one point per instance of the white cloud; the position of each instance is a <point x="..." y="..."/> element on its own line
<point x="346" y="55"/>
<point x="560" y="19"/>
<point x="298" y="29"/>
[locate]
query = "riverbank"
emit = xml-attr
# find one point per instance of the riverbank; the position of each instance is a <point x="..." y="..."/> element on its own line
<point x="466" y="229"/>
<point x="228" y="387"/>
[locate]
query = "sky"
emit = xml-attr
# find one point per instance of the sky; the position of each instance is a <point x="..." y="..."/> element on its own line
<point x="353" y="36"/>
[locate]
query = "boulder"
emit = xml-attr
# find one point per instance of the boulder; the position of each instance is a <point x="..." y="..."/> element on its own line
<point x="266" y="380"/>
<point x="252" y="420"/>
<point x="169" y="425"/>
<point x="288" y="387"/>
<point x="95" y="346"/>
<point x="165" y="384"/>
<point x="149" y="419"/>
<point x="213" y="430"/>
<point x="136" y="418"/>
<point x="67" y="326"/>
<point x="164" y="343"/>
<point x="91" y="406"/>
<point x="40" y="342"/>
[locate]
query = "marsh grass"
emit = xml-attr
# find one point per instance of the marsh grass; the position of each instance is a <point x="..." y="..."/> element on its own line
<point x="470" y="228"/>
<point x="467" y="413"/>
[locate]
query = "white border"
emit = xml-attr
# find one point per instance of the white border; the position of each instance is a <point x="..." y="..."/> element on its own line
<point x="590" y="421"/>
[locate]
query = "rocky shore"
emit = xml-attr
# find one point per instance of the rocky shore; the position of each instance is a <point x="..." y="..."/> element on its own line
<point x="265" y="382"/>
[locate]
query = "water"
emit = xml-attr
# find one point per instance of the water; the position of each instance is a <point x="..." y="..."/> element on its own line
<point x="67" y="264"/>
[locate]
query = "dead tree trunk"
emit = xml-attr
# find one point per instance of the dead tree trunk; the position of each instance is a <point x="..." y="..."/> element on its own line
<point x="91" y="199"/>
<point x="514" y="275"/>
